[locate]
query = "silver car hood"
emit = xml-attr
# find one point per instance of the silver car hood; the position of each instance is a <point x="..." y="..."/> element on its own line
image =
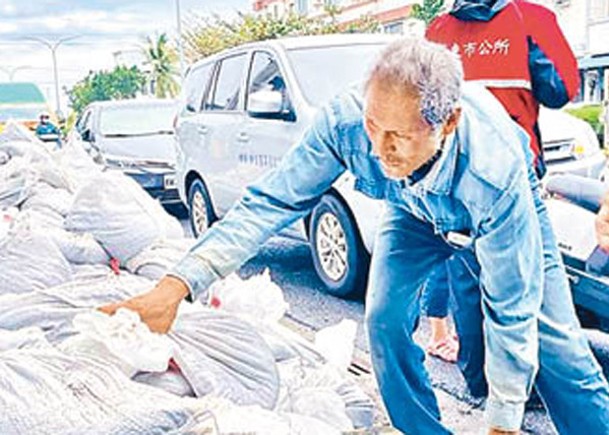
<point x="141" y="148"/>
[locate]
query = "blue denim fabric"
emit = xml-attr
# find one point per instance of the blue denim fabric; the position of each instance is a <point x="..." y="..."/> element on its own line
<point x="481" y="185"/>
<point x="405" y="250"/>
<point x="570" y="381"/>
<point x="436" y="293"/>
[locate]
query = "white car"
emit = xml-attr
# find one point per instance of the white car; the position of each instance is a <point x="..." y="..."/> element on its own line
<point x="570" y="144"/>
<point x="243" y="108"/>
<point x="136" y="138"/>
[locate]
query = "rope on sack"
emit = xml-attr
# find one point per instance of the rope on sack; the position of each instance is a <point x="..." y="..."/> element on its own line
<point x="115" y="265"/>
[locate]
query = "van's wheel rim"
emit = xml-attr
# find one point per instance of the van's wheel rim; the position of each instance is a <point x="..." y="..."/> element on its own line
<point x="199" y="213"/>
<point x="331" y="246"/>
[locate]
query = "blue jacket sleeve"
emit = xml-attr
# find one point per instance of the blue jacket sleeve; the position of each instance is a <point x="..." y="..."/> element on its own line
<point x="510" y="254"/>
<point x="277" y="200"/>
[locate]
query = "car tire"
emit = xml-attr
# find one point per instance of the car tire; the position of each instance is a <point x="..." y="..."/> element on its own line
<point x="200" y="209"/>
<point x="339" y="255"/>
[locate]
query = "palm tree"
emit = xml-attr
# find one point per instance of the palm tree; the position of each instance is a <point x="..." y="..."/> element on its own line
<point x="162" y="59"/>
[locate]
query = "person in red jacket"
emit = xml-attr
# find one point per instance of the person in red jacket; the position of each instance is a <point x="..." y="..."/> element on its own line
<point x="515" y="49"/>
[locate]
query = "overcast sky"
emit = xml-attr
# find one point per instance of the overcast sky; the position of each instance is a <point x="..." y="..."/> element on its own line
<point x="103" y="28"/>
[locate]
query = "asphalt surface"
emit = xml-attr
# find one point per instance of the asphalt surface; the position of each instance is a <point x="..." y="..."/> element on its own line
<point x="291" y="267"/>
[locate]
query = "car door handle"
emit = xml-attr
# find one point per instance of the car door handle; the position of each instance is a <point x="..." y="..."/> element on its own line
<point x="243" y="137"/>
<point x="202" y="129"/>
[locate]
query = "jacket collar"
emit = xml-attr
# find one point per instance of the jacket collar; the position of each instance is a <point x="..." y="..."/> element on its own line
<point x="439" y="180"/>
<point x="477" y="10"/>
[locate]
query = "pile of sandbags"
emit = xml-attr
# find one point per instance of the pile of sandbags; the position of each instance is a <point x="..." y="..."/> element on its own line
<point x="228" y="367"/>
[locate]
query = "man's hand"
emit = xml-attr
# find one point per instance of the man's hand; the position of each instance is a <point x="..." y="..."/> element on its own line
<point x="158" y="307"/>
<point x="602" y="224"/>
<point x="493" y="431"/>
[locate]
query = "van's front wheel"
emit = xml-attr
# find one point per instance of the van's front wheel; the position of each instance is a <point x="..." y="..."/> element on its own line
<point x="200" y="209"/>
<point x="339" y="256"/>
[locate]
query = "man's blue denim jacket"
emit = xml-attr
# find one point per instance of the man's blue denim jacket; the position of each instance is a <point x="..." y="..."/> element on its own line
<point x="482" y="184"/>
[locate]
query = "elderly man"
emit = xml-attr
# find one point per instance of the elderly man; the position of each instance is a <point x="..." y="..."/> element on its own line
<point x="446" y="158"/>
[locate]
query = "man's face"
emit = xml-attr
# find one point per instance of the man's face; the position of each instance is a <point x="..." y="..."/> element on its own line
<point x="400" y="137"/>
<point x="44" y="119"/>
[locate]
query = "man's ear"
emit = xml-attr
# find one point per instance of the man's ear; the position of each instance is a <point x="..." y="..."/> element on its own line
<point x="451" y="124"/>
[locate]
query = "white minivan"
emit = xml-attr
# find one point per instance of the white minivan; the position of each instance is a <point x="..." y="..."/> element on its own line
<point x="243" y="108"/>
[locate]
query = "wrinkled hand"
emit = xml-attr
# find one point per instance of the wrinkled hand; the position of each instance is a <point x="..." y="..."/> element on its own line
<point x="158" y="307"/>
<point x="602" y="224"/>
<point x="493" y="431"/>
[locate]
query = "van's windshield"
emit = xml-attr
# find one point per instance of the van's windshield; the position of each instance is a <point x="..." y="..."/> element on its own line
<point x="137" y="120"/>
<point x="323" y="72"/>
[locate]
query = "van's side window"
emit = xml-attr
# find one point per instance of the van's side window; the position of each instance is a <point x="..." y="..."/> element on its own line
<point x="266" y="75"/>
<point x="196" y="84"/>
<point x="227" y="88"/>
<point x="83" y="121"/>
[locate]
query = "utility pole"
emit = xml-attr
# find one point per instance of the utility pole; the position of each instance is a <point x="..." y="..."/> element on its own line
<point x="180" y="48"/>
<point x="53" y="46"/>
<point x="11" y="71"/>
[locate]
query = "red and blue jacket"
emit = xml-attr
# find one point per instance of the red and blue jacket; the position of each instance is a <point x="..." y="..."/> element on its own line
<point x="516" y="49"/>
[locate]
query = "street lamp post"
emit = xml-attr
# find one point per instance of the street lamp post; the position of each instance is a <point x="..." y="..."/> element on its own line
<point x="53" y="46"/>
<point x="11" y="71"/>
<point x="180" y="48"/>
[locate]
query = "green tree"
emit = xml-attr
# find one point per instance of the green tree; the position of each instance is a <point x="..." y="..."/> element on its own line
<point x="120" y="83"/>
<point x="205" y="36"/>
<point x="427" y="11"/>
<point x="162" y="59"/>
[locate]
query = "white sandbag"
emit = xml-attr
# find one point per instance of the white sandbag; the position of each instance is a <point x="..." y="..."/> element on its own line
<point x="39" y="220"/>
<point x="157" y="259"/>
<point x="31" y="262"/>
<point x="122" y="337"/>
<point x="286" y="344"/>
<point x="76" y="164"/>
<point x="217" y="353"/>
<point x="79" y="248"/>
<point x="44" y="197"/>
<point x="31" y="337"/>
<point x="47" y="391"/>
<point x="121" y="216"/>
<point x="7" y="217"/>
<point x="17" y="178"/>
<point x="300" y="382"/>
<point x="16" y="132"/>
<point x="53" y="309"/>
<point x="258" y="297"/>
<point x="223" y="356"/>
<point x="322" y="404"/>
<point x="337" y="342"/>
<point x="170" y="380"/>
<point x="231" y="419"/>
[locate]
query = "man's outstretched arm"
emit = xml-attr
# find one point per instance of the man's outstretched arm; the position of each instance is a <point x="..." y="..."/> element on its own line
<point x="280" y="198"/>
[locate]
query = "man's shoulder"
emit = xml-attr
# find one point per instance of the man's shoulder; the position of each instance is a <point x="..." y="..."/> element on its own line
<point x="494" y="146"/>
<point x="347" y="108"/>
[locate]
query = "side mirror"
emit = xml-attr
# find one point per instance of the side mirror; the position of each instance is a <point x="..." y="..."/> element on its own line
<point x="265" y="103"/>
<point x="87" y="136"/>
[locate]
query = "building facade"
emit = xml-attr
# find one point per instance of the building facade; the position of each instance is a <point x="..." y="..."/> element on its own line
<point x="586" y="26"/>
<point x="393" y="15"/>
<point x="584" y="22"/>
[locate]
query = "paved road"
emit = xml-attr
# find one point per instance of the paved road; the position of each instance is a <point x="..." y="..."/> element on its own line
<point x="292" y="269"/>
